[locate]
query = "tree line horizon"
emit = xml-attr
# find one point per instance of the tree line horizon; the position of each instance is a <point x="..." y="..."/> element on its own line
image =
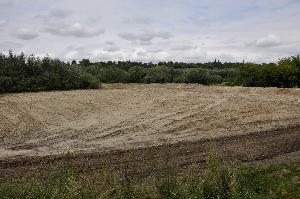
<point x="20" y="73"/>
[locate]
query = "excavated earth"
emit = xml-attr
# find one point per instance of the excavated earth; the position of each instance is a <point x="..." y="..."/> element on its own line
<point x="134" y="125"/>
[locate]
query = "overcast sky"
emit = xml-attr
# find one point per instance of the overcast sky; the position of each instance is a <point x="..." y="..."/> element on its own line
<point x="152" y="30"/>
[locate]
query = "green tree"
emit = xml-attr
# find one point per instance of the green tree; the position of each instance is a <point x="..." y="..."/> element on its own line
<point x="196" y="75"/>
<point x="85" y="62"/>
<point x="74" y="62"/>
<point x="159" y="74"/>
<point x="136" y="74"/>
<point x="249" y="75"/>
<point x="287" y="72"/>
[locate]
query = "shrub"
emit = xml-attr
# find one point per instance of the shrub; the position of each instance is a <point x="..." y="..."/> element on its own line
<point x="136" y="74"/>
<point x="19" y="73"/>
<point x="159" y="74"/>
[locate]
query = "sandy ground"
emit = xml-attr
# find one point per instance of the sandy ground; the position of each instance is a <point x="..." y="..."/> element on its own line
<point x="122" y="116"/>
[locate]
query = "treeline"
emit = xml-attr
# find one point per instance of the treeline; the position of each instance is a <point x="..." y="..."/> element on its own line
<point x="284" y="73"/>
<point x="162" y="72"/>
<point x="19" y="73"/>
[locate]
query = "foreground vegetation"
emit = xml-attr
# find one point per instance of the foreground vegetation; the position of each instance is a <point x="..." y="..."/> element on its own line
<point x="19" y="73"/>
<point x="218" y="181"/>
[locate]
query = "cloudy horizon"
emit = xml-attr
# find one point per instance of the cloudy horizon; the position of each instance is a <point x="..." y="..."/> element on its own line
<point x="152" y="31"/>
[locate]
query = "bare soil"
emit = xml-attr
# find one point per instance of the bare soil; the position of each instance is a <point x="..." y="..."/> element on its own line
<point x="132" y="124"/>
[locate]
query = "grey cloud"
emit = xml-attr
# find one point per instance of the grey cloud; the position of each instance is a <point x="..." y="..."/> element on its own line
<point x="183" y="47"/>
<point x="111" y="47"/>
<point x="155" y="50"/>
<point x="6" y="3"/>
<point x="75" y="30"/>
<point x="54" y="17"/>
<point x="9" y="45"/>
<point x="137" y="20"/>
<point x="77" y="48"/>
<point x="2" y="24"/>
<point x="264" y="42"/>
<point x="201" y="21"/>
<point x="141" y="53"/>
<point x="25" y="34"/>
<point x="144" y="37"/>
<point x="110" y="43"/>
<point x="59" y="13"/>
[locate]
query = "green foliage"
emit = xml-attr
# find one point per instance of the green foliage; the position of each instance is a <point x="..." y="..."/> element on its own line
<point x="20" y="74"/>
<point x="218" y="181"/>
<point x="196" y="75"/>
<point x="284" y="74"/>
<point x="88" y="81"/>
<point x="112" y="74"/>
<point x="74" y="62"/>
<point x="249" y="75"/>
<point x="159" y="74"/>
<point x="136" y="74"/>
<point x="85" y="62"/>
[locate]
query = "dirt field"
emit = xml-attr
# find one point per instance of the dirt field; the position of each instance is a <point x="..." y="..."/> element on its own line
<point x="130" y="116"/>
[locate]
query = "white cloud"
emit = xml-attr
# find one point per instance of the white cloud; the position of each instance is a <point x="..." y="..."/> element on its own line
<point x="267" y="41"/>
<point x="72" y="55"/>
<point x="78" y="53"/>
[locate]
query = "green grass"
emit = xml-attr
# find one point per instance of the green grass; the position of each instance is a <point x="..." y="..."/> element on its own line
<point x="220" y="180"/>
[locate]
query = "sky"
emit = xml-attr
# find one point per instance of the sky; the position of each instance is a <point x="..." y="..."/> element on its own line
<point x="152" y="30"/>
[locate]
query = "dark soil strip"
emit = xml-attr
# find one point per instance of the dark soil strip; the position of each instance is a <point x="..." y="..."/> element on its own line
<point x="157" y="159"/>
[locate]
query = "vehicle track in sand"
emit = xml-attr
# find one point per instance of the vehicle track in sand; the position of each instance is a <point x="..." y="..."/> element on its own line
<point x="130" y="117"/>
<point x="143" y="162"/>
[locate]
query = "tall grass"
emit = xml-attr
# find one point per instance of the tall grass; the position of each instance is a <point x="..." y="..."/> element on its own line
<point x="219" y="180"/>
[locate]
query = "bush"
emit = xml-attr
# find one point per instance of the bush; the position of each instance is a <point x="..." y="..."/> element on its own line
<point x="284" y="74"/>
<point x="111" y="74"/>
<point x="159" y="74"/>
<point x="19" y="74"/>
<point x="136" y="74"/>
<point x="194" y="75"/>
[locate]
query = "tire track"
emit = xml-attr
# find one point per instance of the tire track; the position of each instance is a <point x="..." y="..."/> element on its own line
<point x="142" y="162"/>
